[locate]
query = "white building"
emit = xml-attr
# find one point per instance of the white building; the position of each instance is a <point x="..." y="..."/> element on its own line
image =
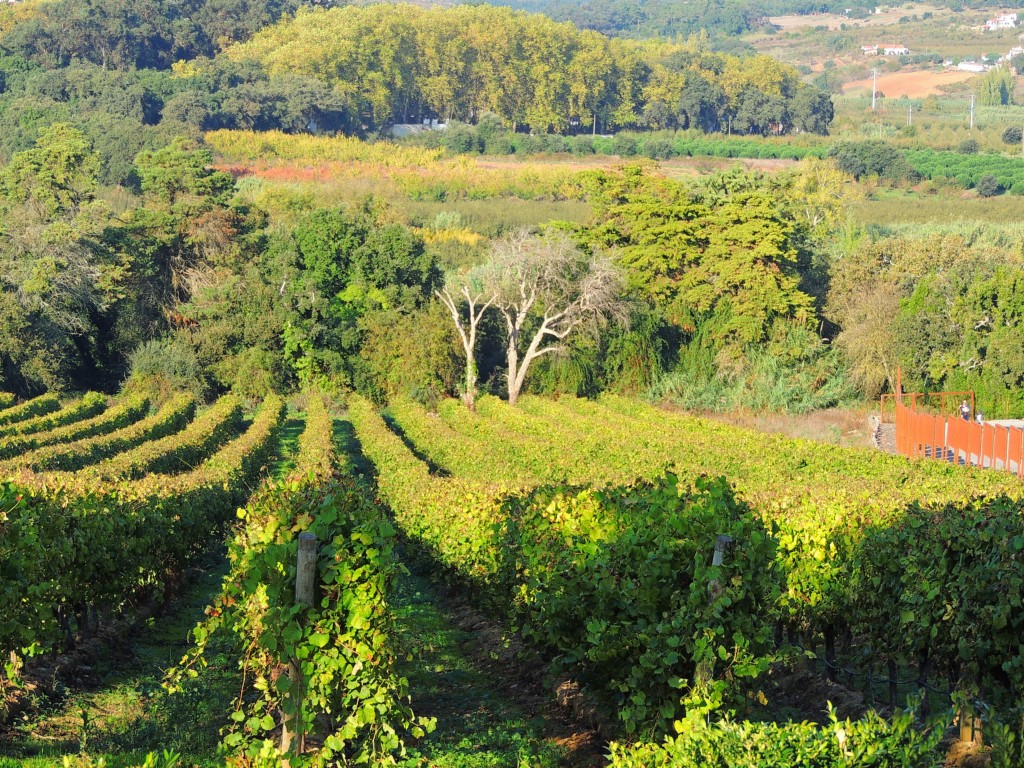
<point x="971" y="66"/>
<point x="1015" y="51"/>
<point x="896" y="50"/>
<point x="869" y="50"/>
<point x="1002" y="21"/>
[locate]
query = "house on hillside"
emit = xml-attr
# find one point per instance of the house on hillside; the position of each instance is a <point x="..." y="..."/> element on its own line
<point x="1002" y="21"/>
<point x="971" y="66"/>
<point x="869" y="50"/>
<point x="1017" y="50"/>
<point x="896" y="50"/>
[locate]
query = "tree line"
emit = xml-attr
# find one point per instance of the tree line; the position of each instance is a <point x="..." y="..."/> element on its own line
<point x="402" y="63"/>
<point x="728" y="291"/>
<point x="79" y="62"/>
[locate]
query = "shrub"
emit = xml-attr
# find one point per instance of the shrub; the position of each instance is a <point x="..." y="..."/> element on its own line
<point x="658" y="149"/>
<point x="968" y="147"/>
<point x="529" y="144"/>
<point x="582" y="145"/>
<point x="1013" y="134"/>
<point x="987" y="185"/>
<point x="460" y="139"/>
<point x="624" y="146"/>
<point x="555" y="143"/>
<point x="500" y="144"/>
<point x="170" y="363"/>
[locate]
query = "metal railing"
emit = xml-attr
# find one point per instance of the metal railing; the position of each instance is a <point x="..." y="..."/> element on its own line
<point x="957" y="440"/>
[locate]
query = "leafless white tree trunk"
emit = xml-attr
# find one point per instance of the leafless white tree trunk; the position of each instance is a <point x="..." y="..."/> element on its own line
<point x="478" y="300"/>
<point x="547" y="277"/>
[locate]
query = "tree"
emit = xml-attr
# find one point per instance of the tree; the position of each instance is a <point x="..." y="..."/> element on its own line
<point x="187" y="223"/>
<point x="58" y="277"/>
<point x="811" y="110"/>
<point x="995" y="87"/>
<point x="546" y="288"/>
<point x="822" y="194"/>
<point x="987" y="185"/>
<point x="478" y="298"/>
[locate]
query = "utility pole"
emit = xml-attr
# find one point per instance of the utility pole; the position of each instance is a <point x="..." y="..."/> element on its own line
<point x="874" y="87"/>
<point x="972" y="111"/>
<point x="910" y="114"/>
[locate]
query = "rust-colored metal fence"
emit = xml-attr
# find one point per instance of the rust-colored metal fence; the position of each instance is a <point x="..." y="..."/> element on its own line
<point x="957" y="440"/>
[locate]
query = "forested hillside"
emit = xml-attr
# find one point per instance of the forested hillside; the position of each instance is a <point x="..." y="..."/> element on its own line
<point x="134" y="76"/>
<point x="466" y="61"/>
<point x="722" y="19"/>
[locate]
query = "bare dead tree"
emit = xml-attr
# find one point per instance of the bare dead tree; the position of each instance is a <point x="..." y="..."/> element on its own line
<point x="478" y="299"/>
<point x="546" y="284"/>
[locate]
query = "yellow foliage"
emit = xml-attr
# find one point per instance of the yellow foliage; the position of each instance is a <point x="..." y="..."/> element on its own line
<point x="253" y="145"/>
<point x="462" y="236"/>
<point x="12" y="14"/>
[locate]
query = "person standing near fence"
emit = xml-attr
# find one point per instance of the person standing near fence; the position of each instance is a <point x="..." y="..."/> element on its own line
<point x="965" y="411"/>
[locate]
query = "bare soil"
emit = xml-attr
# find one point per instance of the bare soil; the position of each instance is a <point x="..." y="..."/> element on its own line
<point x="850" y="428"/>
<point x="912" y="84"/>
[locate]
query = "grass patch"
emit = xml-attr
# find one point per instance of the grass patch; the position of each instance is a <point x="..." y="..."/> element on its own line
<point x="289" y="446"/>
<point x="481" y="723"/>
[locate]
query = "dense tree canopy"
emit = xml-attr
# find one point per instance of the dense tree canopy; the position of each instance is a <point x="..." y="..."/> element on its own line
<point x="399" y="63"/>
<point x="133" y="34"/>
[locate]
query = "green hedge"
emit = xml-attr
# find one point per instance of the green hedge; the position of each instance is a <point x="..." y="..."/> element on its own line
<point x="173" y="416"/>
<point x="78" y="542"/>
<point x="120" y="415"/>
<point x="29" y="408"/>
<point x="91" y="404"/>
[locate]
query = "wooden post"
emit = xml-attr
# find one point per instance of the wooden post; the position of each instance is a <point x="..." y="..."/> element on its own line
<point x="922" y="683"/>
<point x="305" y="584"/>
<point x="970" y="726"/>
<point x="830" y="654"/>
<point x="722" y="544"/>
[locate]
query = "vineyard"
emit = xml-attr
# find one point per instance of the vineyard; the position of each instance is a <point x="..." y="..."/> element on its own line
<point x="667" y="563"/>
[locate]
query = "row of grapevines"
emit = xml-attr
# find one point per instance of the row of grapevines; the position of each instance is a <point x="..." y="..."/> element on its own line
<point x="126" y="412"/>
<point x="6" y="400"/>
<point x="897" y="742"/>
<point x="345" y="640"/>
<point x="177" y="452"/>
<point x="26" y="410"/>
<point x="471" y="456"/>
<point x="82" y="542"/>
<point x="456" y="521"/>
<point x="616" y="585"/>
<point x="173" y="416"/>
<point x="90" y="405"/>
<point x="504" y="442"/>
<point x="600" y="458"/>
<point x="921" y="561"/>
